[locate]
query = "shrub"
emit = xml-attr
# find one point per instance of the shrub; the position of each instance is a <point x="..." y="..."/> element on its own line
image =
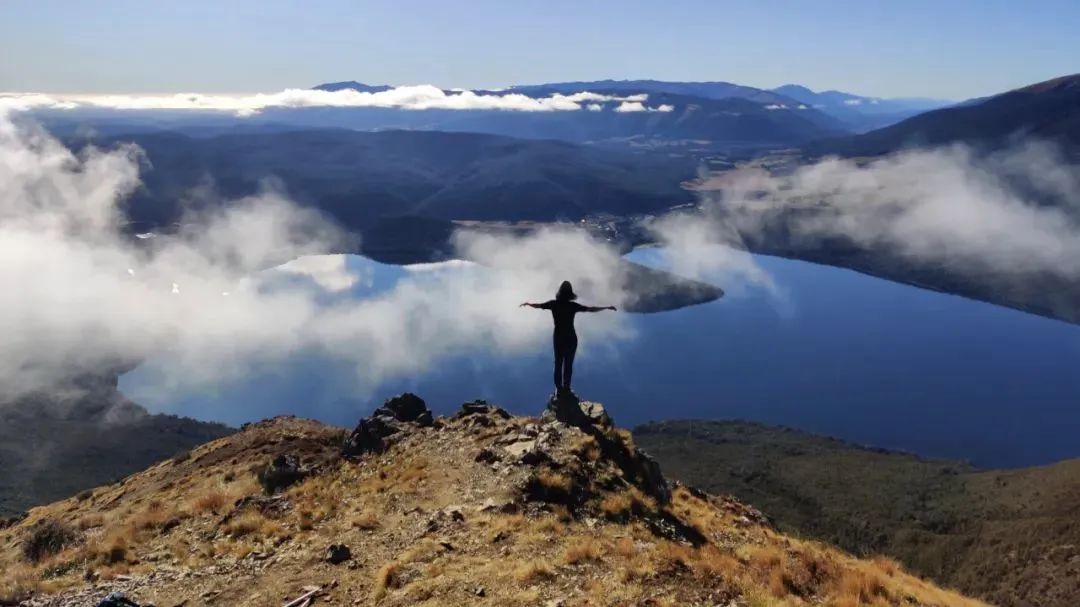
<point x="211" y="501"/>
<point x="46" y="538"/>
<point x="246" y="524"/>
<point x="280" y="474"/>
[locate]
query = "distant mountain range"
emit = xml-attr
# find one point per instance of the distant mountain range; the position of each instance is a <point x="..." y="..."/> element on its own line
<point x="734" y="121"/>
<point x="851" y="112"/>
<point x="361" y="178"/>
<point x="692" y="118"/>
<point x="353" y="85"/>
<point x="858" y="112"/>
<point x="1047" y="110"/>
<point x="704" y="90"/>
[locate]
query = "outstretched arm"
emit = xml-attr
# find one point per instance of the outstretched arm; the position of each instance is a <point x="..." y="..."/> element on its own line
<point x="597" y="308"/>
<point x="540" y="306"/>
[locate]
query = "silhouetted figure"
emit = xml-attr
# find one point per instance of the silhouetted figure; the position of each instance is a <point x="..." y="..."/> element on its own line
<point x="563" y="308"/>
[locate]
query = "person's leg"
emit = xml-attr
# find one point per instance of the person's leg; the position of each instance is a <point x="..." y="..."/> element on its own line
<point x="568" y="363"/>
<point x="558" y="367"/>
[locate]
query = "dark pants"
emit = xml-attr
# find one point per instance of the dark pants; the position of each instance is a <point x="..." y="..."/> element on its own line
<point x="565" y="349"/>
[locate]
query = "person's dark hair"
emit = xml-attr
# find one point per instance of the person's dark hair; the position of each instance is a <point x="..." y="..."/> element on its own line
<point x="566" y="292"/>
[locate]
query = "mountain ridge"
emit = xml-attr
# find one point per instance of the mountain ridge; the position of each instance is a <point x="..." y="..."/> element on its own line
<point x="65" y="439"/>
<point x="1048" y="110"/>
<point x="480" y="507"/>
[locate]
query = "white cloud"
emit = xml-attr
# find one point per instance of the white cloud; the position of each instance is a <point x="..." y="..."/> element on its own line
<point x="420" y="97"/>
<point x="853" y="102"/>
<point x="637" y="106"/>
<point x="329" y="272"/>
<point x="630" y="106"/>
<point x="1007" y="214"/>
<point x="89" y="296"/>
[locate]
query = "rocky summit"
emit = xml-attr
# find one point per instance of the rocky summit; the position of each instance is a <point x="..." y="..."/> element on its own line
<point x="478" y="508"/>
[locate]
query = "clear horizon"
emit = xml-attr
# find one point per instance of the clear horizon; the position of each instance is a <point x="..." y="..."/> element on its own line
<point x="955" y="50"/>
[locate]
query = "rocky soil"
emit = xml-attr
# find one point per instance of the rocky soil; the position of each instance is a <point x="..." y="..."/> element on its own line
<point x="406" y="509"/>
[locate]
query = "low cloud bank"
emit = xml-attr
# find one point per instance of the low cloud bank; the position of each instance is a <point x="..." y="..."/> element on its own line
<point x="81" y="295"/>
<point x="420" y="97"/>
<point x="213" y="303"/>
<point x="1009" y="213"/>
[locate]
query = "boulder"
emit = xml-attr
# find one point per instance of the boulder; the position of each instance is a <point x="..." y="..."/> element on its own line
<point x="284" y="471"/>
<point x="375" y="433"/>
<point x="481" y="407"/>
<point x="573" y="411"/>
<point x="591" y="418"/>
<point x="337" y="554"/>
<point x="369" y="436"/>
<point x="406" y="407"/>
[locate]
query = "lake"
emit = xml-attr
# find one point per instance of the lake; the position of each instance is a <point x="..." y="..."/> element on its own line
<point x="836" y="352"/>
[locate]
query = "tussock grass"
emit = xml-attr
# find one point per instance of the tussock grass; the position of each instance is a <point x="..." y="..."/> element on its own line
<point x="583" y="550"/>
<point x="533" y="571"/>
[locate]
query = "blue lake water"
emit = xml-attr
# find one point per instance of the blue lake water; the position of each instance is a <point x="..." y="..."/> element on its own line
<point x="840" y="353"/>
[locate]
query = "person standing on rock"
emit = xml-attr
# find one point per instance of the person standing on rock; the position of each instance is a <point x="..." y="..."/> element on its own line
<point x="563" y="309"/>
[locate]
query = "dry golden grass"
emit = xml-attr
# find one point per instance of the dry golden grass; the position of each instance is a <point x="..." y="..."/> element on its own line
<point x="638" y="569"/>
<point x="886" y="565"/>
<point x="674" y="555"/>
<point x="533" y="571"/>
<point x="587" y="449"/>
<point x="550" y="526"/>
<point x="111" y="548"/>
<point x="530" y="556"/>
<point x="617" y="506"/>
<point x="582" y="550"/>
<point x="860" y="587"/>
<point x="504" y="525"/>
<point x="366" y="520"/>
<point x="553" y="481"/>
<point x="624" y="547"/>
<point x="18" y="581"/>
<point x="246" y="524"/>
<point x="91" y="521"/>
<point x="212" y="501"/>
<point x="155" y="516"/>
<point x="711" y="561"/>
<point x="386" y="578"/>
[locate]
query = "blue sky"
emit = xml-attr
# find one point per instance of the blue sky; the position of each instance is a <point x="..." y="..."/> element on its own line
<point x="945" y="48"/>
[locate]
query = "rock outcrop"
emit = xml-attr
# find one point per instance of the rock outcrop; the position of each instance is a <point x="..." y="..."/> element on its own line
<point x="591" y="417"/>
<point x="479" y="507"/>
<point x="376" y="432"/>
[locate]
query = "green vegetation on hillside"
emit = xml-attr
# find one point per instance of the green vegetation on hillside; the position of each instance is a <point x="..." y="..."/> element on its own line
<point x="1009" y="536"/>
<point x="55" y="445"/>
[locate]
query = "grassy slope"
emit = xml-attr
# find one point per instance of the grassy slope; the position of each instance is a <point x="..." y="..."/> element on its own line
<point x="52" y="447"/>
<point x="448" y="516"/>
<point x="1012" y="537"/>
